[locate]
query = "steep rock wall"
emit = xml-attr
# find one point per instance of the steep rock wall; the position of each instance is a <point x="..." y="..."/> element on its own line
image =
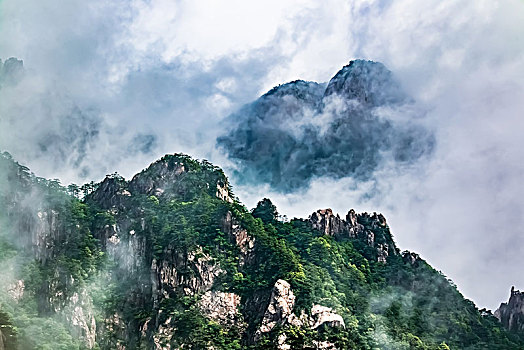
<point x="511" y="314"/>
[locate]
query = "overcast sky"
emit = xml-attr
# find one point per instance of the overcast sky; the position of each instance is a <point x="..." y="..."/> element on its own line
<point x="113" y="85"/>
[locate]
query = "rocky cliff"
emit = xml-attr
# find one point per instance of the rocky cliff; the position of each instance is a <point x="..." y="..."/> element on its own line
<point x="332" y="225"/>
<point x="511" y="314"/>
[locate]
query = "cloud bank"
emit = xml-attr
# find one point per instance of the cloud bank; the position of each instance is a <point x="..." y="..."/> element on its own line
<point x="111" y="86"/>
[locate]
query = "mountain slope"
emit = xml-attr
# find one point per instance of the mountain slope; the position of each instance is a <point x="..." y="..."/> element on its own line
<point x="171" y="260"/>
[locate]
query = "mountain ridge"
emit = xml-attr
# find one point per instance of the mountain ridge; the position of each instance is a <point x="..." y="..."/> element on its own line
<point x="171" y="259"/>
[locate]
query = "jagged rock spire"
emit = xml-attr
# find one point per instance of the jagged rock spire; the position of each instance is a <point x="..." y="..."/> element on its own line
<point x="511" y="314"/>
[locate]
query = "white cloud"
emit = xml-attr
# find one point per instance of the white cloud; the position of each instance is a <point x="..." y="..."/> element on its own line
<point x="174" y="68"/>
<point x="205" y="30"/>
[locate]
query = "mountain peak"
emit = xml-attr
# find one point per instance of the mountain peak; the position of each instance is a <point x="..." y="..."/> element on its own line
<point x="181" y="176"/>
<point x="304" y="130"/>
<point x="301" y="89"/>
<point x="371" y="229"/>
<point x="180" y="268"/>
<point x="11" y="70"/>
<point x="369" y="82"/>
<point x="511" y="314"/>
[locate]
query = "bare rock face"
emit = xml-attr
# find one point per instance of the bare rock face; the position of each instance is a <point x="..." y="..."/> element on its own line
<point x="280" y="307"/>
<point x="281" y="343"/>
<point x="321" y="315"/>
<point x="159" y="177"/>
<point x="163" y="336"/>
<point x="324" y="345"/>
<point x="16" y="290"/>
<point x="316" y="344"/>
<point x="116" y="326"/>
<point x="327" y="223"/>
<point x="80" y="315"/>
<point x="511" y="314"/>
<point x="110" y="193"/>
<point x="45" y="234"/>
<point x="124" y="247"/>
<point x="223" y="192"/>
<point x="221" y="307"/>
<point x="369" y="83"/>
<point x="74" y="308"/>
<point x="383" y="253"/>
<point x="354" y="227"/>
<point x="330" y="224"/>
<point x="239" y="236"/>
<point x="200" y="273"/>
<point x="410" y="258"/>
<point x="280" y="312"/>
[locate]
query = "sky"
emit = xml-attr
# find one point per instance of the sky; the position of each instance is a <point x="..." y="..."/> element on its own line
<point x="113" y="85"/>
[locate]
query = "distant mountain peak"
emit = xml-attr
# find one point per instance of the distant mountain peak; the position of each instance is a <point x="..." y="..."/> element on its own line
<point x="369" y="82"/>
<point x="303" y="130"/>
<point x="11" y="70"/>
<point x="296" y="88"/>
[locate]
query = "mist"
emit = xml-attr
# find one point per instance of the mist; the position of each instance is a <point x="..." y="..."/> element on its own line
<point x="101" y="93"/>
<point x="351" y="127"/>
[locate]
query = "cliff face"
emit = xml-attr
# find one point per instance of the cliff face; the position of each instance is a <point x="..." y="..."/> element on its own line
<point x="169" y="260"/>
<point x="511" y="314"/>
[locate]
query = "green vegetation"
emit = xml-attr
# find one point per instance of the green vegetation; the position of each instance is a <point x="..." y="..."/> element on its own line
<point x="109" y="241"/>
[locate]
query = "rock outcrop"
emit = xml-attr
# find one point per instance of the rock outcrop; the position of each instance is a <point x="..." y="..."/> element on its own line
<point x="46" y="233"/>
<point x="322" y="315"/>
<point x="330" y="224"/>
<point x="111" y="193"/>
<point x="411" y="258"/>
<point x="280" y="307"/>
<point x="221" y="307"/>
<point x="369" y="83"/>
<point x="240" y="237"/>
<point x="186" y="273"/>
<point x="16" y="290"/>
<point x="115" y="326"/>
<point x="511" y="314"/>
<point x="171" y="177"/>
<point x="280" y="312"/>
<point x="79" y="314"/>
<point x="160" y="177"/>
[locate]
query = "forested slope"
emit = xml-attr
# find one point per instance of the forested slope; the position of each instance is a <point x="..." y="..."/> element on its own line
<point x="172" y="260"/>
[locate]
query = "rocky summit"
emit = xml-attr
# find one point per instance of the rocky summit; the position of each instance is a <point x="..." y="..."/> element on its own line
<point x="511" y="314"/>
<point x="172" y="260"/>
